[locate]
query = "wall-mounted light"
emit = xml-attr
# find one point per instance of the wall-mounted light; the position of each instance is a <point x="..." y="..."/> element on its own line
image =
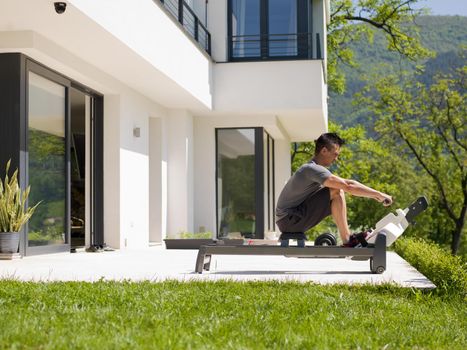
<point x="137" y="132"/>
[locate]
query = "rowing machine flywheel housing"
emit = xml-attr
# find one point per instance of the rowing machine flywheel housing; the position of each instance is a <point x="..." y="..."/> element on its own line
<point x="326" y="239"/>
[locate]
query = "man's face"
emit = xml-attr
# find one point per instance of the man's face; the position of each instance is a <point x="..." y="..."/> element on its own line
<point x="329" y="156"/>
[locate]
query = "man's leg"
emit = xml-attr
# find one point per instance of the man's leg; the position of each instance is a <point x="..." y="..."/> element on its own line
<point x="339" y="213"/>
<point x="308" y="214"/>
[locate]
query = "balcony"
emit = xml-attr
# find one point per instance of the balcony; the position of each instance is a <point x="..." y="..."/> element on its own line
<point x="183" y="13"/>
<point x="275" y="47"/>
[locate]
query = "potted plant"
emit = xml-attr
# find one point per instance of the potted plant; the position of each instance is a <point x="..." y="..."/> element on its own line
<point x="13" y="212"/>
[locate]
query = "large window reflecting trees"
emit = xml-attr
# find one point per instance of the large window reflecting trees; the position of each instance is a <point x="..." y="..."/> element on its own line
<point x="244" y="182"/>
<point x="47" y="161"/>
<point x="55" y="139"/>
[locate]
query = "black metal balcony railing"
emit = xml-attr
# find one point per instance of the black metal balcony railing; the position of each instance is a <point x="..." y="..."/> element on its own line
<point x="275" y="46"/>
<point x="187" y="18"/>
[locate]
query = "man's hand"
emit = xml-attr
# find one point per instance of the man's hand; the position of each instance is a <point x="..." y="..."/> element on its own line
<point x="385" y="199"/>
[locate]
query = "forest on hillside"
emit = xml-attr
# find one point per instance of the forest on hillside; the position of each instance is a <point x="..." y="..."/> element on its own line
<point x="444" y="35"/>
<point x="397" y="83"/>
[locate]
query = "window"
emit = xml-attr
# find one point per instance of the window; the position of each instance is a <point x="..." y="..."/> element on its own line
<point x="269" y="29"/>
<point x="47" y="161"/>
<point x="282" y="28"/>
<point x="244" y="182"/>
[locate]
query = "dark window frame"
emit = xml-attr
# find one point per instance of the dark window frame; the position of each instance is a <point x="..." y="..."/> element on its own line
<point x="304" y="34"/>
<point x="36" y="68"/>
<point x="14" y="70"/>
<point x="260" y="213"/>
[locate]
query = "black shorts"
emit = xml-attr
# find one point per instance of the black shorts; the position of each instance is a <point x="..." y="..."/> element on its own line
<point x="308" y="214"/>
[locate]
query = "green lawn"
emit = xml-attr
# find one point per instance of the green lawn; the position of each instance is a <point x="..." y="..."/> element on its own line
<point x="226" y="315"/>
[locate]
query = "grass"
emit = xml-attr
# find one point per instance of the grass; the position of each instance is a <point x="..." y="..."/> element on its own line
<point x="226" y="315"/>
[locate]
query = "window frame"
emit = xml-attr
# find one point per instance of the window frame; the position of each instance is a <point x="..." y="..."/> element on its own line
<point x="304" y="26"/>
<point x="262" y="223"/>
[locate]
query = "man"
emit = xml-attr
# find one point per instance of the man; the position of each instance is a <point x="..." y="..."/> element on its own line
<point x="313" y="193"/>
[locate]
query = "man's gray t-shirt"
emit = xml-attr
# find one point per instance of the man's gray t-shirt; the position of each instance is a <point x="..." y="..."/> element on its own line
<point x="307" y="180"/>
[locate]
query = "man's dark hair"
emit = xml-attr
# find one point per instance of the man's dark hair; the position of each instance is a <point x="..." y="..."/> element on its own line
<point x="327" y="140"/>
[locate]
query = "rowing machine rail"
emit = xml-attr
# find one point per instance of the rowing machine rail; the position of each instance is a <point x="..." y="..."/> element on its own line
<point x="375" y="253"/>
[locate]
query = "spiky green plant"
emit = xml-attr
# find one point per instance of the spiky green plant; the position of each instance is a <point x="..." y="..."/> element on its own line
<point x="13" y="211"/>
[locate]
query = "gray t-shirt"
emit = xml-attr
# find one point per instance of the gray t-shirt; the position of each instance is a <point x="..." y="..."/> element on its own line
<point x="307" y="180"/>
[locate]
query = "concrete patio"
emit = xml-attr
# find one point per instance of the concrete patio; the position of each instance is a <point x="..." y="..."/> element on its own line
<point x="158" y="264"/>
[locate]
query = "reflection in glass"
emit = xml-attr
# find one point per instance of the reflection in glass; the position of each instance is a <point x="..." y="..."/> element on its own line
<point x="236" y="183"/>
<point x="246" y="39"/>
<point x="47" y="163"/>
<point x="282" y="27"/>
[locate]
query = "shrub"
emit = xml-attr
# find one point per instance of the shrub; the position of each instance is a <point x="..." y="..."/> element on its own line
<point x="198" y="235"/>
<point x="190" y="235"/>
<point x="447" y="272"/>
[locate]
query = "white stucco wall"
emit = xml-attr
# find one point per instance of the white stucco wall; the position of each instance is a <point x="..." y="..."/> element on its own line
<point x="129" y="162"/>
<point x="135" y="42"/>
<point x="144" y="27"/>
<point x="291" y="90"/>
<point x="134" y="173"/>
<point x="154" y="78"/>
<point x="268" y="86"/>
<point x="180" y="172"/>
<point x="155" y="180"/>
<point x="217" y="26"/>
<point x="320" y="17"/>
<point x="112" y="170"/>
<point x="205" y="161"/>
<point x="283" y="166"/>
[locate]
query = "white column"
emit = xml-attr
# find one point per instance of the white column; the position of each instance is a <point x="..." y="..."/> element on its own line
<point x="134" y="172"/>
<point x="180" y="172"/>
<point x="112" y="171"/>
<point x="282" y="166"/>
<point x="205" y="170"/>
<point x="155" y="180"/>
<point x="217" y="26"/>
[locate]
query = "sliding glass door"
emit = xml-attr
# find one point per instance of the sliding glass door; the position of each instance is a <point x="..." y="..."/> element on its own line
<point x="47" y="162"/>
<point x="52" y="130"/>
<point x="64" y="129"/>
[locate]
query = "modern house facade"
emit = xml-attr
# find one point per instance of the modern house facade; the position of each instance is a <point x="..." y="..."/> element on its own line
<point x="134" y="121"/>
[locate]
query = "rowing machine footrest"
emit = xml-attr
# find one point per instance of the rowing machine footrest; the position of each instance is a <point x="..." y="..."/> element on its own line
<point x="286" y="236"/>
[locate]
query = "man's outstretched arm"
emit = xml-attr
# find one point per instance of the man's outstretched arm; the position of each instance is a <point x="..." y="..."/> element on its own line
<point x="355" y="188"/>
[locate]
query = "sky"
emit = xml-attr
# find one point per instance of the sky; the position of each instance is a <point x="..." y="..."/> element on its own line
<point x="446" y="7"/>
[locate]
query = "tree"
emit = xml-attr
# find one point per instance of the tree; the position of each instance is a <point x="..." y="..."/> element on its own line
<point x="372" y="163"/>
<point x="394" y="18"/>
<point x="427" y="126"/>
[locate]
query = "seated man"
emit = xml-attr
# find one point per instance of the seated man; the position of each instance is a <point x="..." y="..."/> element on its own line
<point x="313" y="193"/>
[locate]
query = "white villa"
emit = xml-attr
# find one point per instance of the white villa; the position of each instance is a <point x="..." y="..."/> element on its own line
<point x="138" y="120"/>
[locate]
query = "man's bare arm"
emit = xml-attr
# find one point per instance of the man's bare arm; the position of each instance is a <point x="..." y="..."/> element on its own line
<point x="355" y="188"/>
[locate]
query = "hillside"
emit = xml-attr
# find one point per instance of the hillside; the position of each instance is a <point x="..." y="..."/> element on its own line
<point x="442" y="34"/>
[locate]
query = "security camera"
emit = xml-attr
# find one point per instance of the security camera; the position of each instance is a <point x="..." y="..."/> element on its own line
<point x="60" y="7"/>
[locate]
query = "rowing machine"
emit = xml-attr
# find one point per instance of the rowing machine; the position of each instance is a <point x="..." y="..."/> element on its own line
<point x="387" y="230"/>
